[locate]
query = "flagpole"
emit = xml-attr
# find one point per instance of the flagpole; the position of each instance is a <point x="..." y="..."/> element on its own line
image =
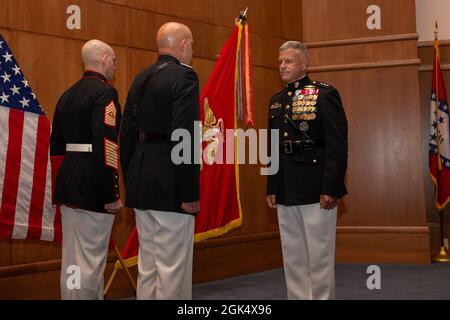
<point x="443" y="254"/>
<point x="437" y="58"/>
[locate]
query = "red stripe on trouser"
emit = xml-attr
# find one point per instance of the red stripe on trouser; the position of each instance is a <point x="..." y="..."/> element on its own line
<point x="12" y="172"/>
<point x="56" y="162"/>
<point x="39" y="178"/>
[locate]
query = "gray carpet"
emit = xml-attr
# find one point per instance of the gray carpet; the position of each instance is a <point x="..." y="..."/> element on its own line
<point x="398" y="282"/>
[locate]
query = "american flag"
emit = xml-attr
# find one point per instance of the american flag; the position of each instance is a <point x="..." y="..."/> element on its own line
<point x="26" y="210"/>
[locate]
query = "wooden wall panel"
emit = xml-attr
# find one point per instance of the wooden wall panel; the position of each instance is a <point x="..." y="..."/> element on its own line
<point x="120" y="81"/>
<point x="265" y="50"/>
<point x="144" y="26"/>
<point x="98" y="20"/>
<point x="48" y="17"/>
<point x="44" y="285"/>
<point x="383" y="246"/>
<point x="48" y="77"/>
<point x="6" y="34"/>
<point x="264" y="16"/>
<point x="107" y="22"/>
<point x="138" y="61"/>
<point x="207" y="45"/>
<point x="26" y="251"/>
<point x="257" y="216"/>
<point x="204" y="68"/>
<point x="198" y="10"/>
<point x="385" y="185"/>
<point x="236" y="256"/>
<point x="363" y="53"/>
<point x="346" y="19"/>
<point x="426" y="55"/>
<point x="5" y="252"/>
<point x="5" y="6"/>
<point x="291" y="19"/>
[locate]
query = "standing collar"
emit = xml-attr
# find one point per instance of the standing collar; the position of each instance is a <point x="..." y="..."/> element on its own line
<point x="299" y="83"/>
<point x="166" y="57"/>
<point x="94" y="74"/>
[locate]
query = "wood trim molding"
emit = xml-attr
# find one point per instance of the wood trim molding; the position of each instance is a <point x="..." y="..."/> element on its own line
<point x="228" y="241"/>
<point x="346" y="42"/>
<point x="429" y="67"/>
<point x="52" y="265"/>
<point x="383" y="230"/>
<point x="437" y="226"/>
<point x="37" y="267"/>
<point x="369" y="65"/>
<point x="423" y="44"/>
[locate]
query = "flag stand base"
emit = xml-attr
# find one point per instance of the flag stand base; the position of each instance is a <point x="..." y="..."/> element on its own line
<point x="442" y="255"/>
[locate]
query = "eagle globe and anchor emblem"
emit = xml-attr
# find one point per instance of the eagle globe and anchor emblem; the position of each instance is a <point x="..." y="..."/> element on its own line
<point x="212" y="129"/>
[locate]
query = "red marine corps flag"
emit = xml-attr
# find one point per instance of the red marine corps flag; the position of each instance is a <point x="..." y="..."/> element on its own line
<point x="26" y="210"/>
<point x="226" y="98"/>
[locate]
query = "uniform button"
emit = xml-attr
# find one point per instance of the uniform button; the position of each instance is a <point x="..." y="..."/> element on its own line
<point x="314" y="161"/>
<point x="285" y="135"/>
<point x="289" y="93"/>
<point x="287" y="107"/>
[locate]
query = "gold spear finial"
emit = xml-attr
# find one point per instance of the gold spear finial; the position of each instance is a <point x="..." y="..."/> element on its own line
<point x="243" y="15"/>
<point x="436" y="31"/>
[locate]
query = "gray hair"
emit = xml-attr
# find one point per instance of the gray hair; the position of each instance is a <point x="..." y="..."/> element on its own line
<point x="296" y="45"/>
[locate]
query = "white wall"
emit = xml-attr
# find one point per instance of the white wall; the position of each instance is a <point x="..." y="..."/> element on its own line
<point x="427" y="12"/>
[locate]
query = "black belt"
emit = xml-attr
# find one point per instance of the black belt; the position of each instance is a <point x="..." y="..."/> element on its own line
<point x="293" y="146"/>
<point x="145" y="136"/>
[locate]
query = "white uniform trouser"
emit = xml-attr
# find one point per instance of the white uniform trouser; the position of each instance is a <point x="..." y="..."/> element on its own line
<point x="308" y="239"/>
<point x="85" y="245"/>
<point x="166" y="244"/>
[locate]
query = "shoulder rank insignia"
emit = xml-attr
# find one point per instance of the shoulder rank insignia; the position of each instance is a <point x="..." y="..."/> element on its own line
<point x="110" y="115"/>
<point x="111" y="154"/>
<point x="323" y="84"/>
<point x="275" y="106"/>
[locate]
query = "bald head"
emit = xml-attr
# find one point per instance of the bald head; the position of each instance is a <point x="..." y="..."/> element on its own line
<point x="175" y="39"/>
<point x="98" y="56"/>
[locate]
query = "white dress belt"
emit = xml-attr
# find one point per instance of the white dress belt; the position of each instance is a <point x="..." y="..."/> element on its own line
<point x="71" y="147"/>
